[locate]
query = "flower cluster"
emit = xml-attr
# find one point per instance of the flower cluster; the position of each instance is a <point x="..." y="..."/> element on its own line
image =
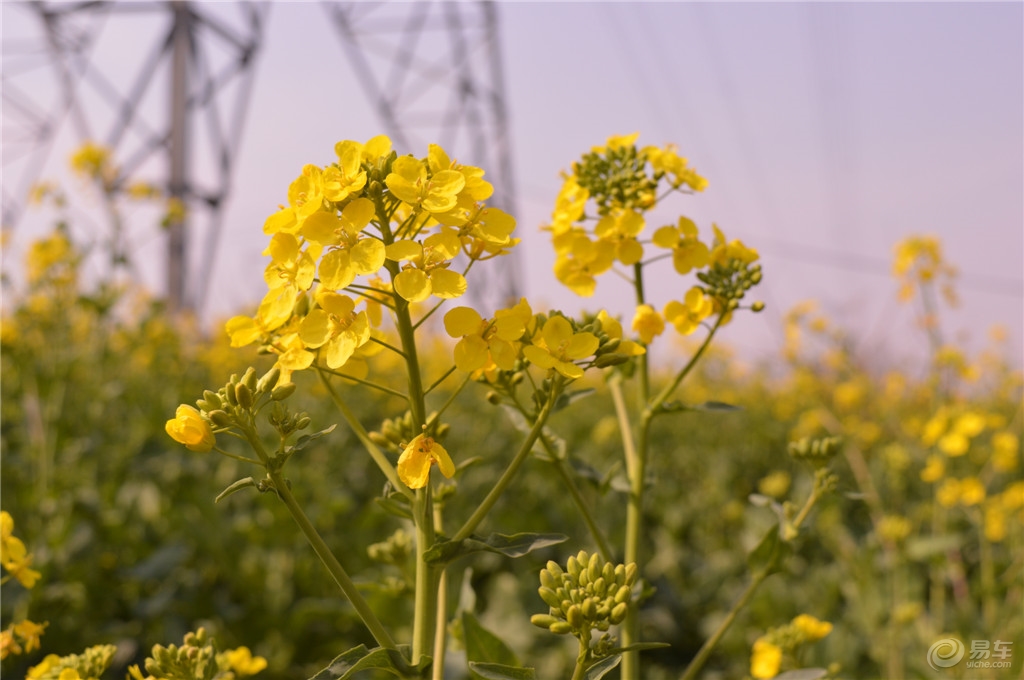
<point x="623" y="182"/>
<point x="775" y="649"/>
<point x="198" y="658"/>
<point x="371" y="230"/>
<point x="88" y="665"/>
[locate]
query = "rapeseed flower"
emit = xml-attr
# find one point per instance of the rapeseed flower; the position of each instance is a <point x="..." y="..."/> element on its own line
<point x="557" y="347"/>
<point x="336" y="326"/>
<point x="188" y="427"/>
<point x="688" y="252"/>
<point x="415" y="461"/>
<point x="687" y="315"/>
<point x="427" y="270"/>
<point x="484" y="341"/>
<point x="435" y="193"/>
<point x="647" y="323"/>
<point x="765" y="659"/>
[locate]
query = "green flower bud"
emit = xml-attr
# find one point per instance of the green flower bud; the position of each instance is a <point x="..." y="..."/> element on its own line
<point x="594" y="567"/>
<point x="249" y="379"/>
<point x="493" y="398"/>
<point x="220" y="418"/>
<point x="244" y="395"/>
<point x="757" y="307"/>
<point x="550" y="598"/>
<point x="212" y="398"/>
<point x="631" y="570"/>
<point x="600" y="587"/>
<point x="554" y="568"/>
<point x="618" y="613"/>
<point x="560" y="628"/>
<point x="574" y="615"/>
<point x="623" y="594"/>
<point x="547" y="579"/>
<point x="573" y="567"/>
<point x="589" y="608"/>
<point x="282" y="392"/>
<point x="303" y="422"/>
<point x="269" y="380"/>
<point x="543" y="620"/>
<point x="379" y="439"/>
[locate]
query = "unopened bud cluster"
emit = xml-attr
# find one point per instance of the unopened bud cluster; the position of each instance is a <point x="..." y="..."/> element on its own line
<point x="91" y="663"/>
<point x="730" y="280"/>
<point x="196" y="658"/>
<point x="617" y="178"/>
<point x="395" y="433"/>
<point x="243" y="395"/>
<point x="588" y="594"/>
<point x="817" y="452"/>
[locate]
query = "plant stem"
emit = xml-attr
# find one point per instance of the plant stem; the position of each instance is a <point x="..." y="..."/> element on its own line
<point x="495" y="493"/>
<point x="705" y="650"/>
<point x="331" y="562"/>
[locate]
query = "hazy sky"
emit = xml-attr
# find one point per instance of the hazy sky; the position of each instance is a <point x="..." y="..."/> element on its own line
<point x="827" y="132"/>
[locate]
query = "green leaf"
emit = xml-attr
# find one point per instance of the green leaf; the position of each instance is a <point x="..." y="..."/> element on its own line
<point x="567" y="398"/>
<point x="715" y="406"/>
<point x="640" y="646"/>
<point x="396" y="504"/>
<point x="497" y="671"/>
<point x="769" y="553"/>
<point x="484" y="646"/>
<point x="235" y="487"/>
<point x="304" y="441"/>
<point x="925" y="547"/>
<point x="598" y="670"/>
<point x="803" y="674"/>
<point x="359" y="659"/>
<point x="515" y="545"/>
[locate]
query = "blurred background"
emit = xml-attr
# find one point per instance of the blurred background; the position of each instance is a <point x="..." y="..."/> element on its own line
<point x="827" y="131"/>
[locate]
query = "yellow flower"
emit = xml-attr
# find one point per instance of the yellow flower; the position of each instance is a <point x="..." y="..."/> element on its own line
<point x="954" y="444"/>
<point x="243" y="662"/>
<point x="620" y="229"/>
<point x="188" y="427"/>
<point x="569" y="205"/>
<point x="579" y="260"/>
<point x="972" y="491"/>
<point x="647" y="323"/>
<point x="557" y="347"/>
<point x="290" y="265"/>
<point x="893" y="528"/>
<point x="948" y="493"/>
<point x="995" y="523"/>
<point x="483" y="341"/>
<point x="687" y="315"/>
<point x="347" y="255"/>
<point x="43" y="667"/>
<point x="13" y="555"/>
<point x="613" y="329"/>
<point x="274" y="310"/>
<point x="812" y="628"/>
<point x="69" y="674"/>
<point x="409" y="182"/>
<point x="934" y="469"/>
<point x="475" y="189"/>
<point x="415" y="461"/>
<point x="1005" y="448"/>
<point x="8" y="644"/>
<point x="93" y="161"/>
<point x="724" y="251"/>
<point x="346" y="177"/>
<point x="336" y="324"/>
<point x="765" y="659"/>
<point x="427" y="272"/>
<point x="688" y="252"/>
<point x="29" y="632"/>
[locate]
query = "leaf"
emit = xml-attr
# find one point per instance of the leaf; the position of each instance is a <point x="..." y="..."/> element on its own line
<point x="359" y="659"/>
<point x="769" y="552"/>
<point x="715" y="406"/>
<point x="928" y="546"/>
<point x="567" y="398"/>
<point x="235" y="487"/>
<point x="484" y="646"/>
<point x="640" y="647"/>
<point x="803" y="674"/>
<point x="515" y="545"/>
<point x="497" y="671"/>
<point x="600" y="668"/>
<point x="396" y="504"/>
<point x="304" y="441"/>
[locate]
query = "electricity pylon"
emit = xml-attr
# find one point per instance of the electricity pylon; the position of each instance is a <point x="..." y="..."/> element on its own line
<point x="200" y="57"/>
<point x="433" y="73"/>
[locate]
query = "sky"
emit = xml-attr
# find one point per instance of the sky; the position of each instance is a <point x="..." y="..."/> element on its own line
<point x="827" y="132"/>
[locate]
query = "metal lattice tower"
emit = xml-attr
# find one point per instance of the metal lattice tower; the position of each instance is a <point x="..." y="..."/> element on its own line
<point x="200" y="62"/>
<point x="433" y="73"/>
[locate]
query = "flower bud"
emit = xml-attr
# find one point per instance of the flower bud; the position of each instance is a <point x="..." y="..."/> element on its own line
<point x="574" y="616"/>
<point x="269" y="380"/>
<point x="623" y="594"/>
<point x="549" y="597"/>
<point x="560" y="628"/>
<point x="243" y="395"/>
<point x="249" y="379"/>
<point x="282" y="392"/>
<point x="543" y="620"/>
<point x="212" y="398"/>
<point x="619" y="613"/>
<point x="220" y="418"/>
<point x="302" y="423"/>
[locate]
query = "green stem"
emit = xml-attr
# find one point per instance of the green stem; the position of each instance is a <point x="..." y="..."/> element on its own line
<point x="333" y="566"/>
<point x="495" y="493"/>
<point x="582" y="662"/>
<point x="368" y="383"/>
<point x="705" y="650"/>
<point x="357" y="427"/>
<point x="636" y="463"/>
